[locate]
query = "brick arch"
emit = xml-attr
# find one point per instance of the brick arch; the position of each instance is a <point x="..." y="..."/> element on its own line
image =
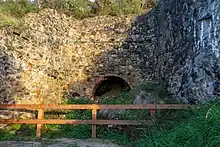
<point x="109" y="83"/>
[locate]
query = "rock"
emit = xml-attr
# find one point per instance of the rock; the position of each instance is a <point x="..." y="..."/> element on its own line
<point x="147" y="98"/>
<point x="182" y="54"/>
<point x="111" y="114"/>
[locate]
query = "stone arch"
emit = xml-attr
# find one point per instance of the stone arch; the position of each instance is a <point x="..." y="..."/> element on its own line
<point x="110" y="86"/>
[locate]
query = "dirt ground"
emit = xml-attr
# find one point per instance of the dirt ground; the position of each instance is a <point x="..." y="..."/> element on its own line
<point x="60" y="143"/>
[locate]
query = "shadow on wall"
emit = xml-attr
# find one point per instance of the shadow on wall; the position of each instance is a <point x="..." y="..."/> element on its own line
<point x="110" y="86"/>
<point x="133" y="60"/>
<point x="53" y="72"/>
<point x="174" y="43"/>
<point x="10" y="87"/>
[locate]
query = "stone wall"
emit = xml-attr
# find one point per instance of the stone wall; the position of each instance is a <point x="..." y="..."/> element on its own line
<point x="186" y="47"/>
<point x="191" y="42"/>
<point x="177" y="43"/>
<point x="58" y="55"/>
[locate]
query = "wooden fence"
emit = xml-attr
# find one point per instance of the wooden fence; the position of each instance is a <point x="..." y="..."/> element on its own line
<point x="41" y="108"/>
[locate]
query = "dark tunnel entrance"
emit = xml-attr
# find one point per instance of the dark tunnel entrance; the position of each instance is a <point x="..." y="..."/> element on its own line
<point x="111" y="86"/>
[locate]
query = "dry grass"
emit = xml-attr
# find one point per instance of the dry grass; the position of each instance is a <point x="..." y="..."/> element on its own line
<point x="8" y="19"/>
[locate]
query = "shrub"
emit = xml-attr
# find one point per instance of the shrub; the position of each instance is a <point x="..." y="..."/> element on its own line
<point x="111" y="7"/>
<point x="201" y="129"/>
<point x="17" y="8"/>
<point x="77" y="8"/>
<point x="84" y="8"/>
<point x="7" y="19"/>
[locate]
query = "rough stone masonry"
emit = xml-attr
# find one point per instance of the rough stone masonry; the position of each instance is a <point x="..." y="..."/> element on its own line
<point x="186" y="54"/>
<point x="177" y="43"/>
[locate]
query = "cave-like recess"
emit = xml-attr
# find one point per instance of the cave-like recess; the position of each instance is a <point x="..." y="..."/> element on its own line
<point x="111" y="86"/>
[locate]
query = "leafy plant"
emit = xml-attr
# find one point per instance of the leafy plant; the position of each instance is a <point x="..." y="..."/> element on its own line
<point x="17" y="8"/>
<point x="199" y="129"/>
<point x="77" y="8"/>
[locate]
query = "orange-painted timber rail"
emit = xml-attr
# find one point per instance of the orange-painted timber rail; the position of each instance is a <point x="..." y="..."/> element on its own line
<point x="41" y="108"/>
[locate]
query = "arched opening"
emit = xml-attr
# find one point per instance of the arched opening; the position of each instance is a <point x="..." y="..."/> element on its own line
<point x="110" y="86"/>
<point x="75" y="94"/>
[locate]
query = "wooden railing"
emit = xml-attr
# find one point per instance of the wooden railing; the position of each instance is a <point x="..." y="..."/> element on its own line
<point x="40" y="121"/>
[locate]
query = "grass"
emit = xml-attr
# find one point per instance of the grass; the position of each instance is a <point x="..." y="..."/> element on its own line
<point x="122" y="135"/>
<point x="127" y="97"/>
<point x="78" y="8"/>
<point x="12" y="12"/>
<point x="200" y="129"/>
<point x="83" y="8"/>
<point x="194" y="127"/>
<point x="7" y="19"/>
<point x="197" y="127"/>
<point x="18" y="132"/>
<point x="18" y="8"/>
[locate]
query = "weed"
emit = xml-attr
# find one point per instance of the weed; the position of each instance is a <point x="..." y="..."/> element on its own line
<point x="7" y="19"/>
<point x="196" y="130"/>
<point x="194" y="127"/>
<point x="12" y="12"/>
<point x="18" y="132"/>
<point x="17" y="8"/>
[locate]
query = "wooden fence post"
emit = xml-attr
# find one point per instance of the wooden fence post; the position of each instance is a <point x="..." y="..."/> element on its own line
<point x="40" y="115"/>
<point x="94" y="114"/>
<point x="152" y="114"/>
<point x="94" y="107"/>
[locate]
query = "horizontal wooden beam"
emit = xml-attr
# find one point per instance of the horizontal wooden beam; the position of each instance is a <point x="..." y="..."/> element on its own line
<point x="98" y="122"/>
<point x="93" y="106"/>
<point x="41" y="108"/>
<point x="146" y="106"/>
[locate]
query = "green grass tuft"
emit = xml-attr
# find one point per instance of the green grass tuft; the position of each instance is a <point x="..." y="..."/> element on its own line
<point x="194" y="127"/>
<point x="17" y="8"/>
<point x="199" y="129"/>
<point x="12" y="12"/>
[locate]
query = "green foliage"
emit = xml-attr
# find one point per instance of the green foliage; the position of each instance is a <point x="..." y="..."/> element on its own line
<point x="194" y="127"/>
<point x="124" y="98"/>
<point x="6" y="19"/>
<point x="71" y="131"/>
<point x="83" y="8"/>
<point x="115" y="136"/>
<point x="127" y="97"/>
<point x="5" y="136"/>
<point x="18" y="132"/>
<point x="79" y="114"/>
<point x="17" y="8"/>
<point x="201" y="129"/>
<point x="79" y="101"/>
<point x="77" y="8"/>
<point x="110" y="7"/>
<point x="154" y="87"/>
<point x="157" y="89"/>
<point x="133" y="6"/>
<point x="9" y="132"/>
<point x="11" y="12"/>
<point x="67" y="131"/>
